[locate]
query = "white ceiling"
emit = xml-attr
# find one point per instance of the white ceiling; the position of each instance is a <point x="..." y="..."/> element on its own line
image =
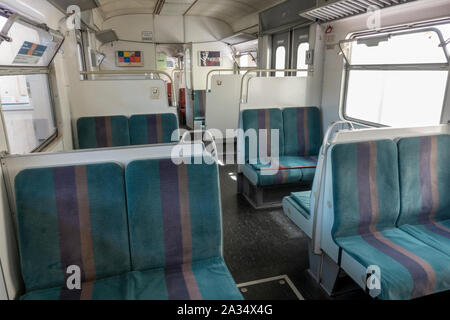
<point x="229" y="11"/>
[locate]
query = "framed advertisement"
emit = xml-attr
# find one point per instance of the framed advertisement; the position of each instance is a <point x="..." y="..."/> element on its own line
<point x="210" y="58"/>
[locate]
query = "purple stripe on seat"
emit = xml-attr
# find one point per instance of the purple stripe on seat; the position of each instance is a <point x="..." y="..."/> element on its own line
<point x="364" y="196"/>
<point x="173" y="241"/>
<point x="152" y="129"/>
<point x="425" y="181"/>
<point x="176" y="285"/>
<point x="68" y="225"/>
<point x="100" y="132"/>
<point x="422" y="282"/>
<point x="302" y="131"/>
<point x="421" y="271"/>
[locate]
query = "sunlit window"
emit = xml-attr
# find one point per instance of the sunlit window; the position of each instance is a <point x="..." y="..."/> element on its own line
<point x="397" y="80"/>
<point x="301" y="59"/>
<point x="280" y="61"/>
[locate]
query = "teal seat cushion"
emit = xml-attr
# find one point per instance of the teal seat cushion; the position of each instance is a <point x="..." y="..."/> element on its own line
<point x="174" y="213"/>
<point x="409" y="268"/>
<point x="113" y="288"/>
<point x="302" y="131"/>
<point x="303" y="200"/>
<point x="436" y="235"/>
<point x="71" y="216"/>
<point x="103" y="132"/>
<point x="202" y="280"/>
<point x="258" y="144"/>
<point x="424" y="180"/>
<point x="366" y="188"/>
<point x="288" y="170"/>
<point x="153" y="129"/>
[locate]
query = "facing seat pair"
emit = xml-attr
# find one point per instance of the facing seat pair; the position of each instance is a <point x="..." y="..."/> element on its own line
<point x="388" y="210"/>
<point x="151" y="234"/>
<point x="299" y="142"/>
<point x="119" y="131"/>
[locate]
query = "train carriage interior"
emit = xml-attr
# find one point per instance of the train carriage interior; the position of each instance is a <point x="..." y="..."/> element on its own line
<point x="258" y="150"/>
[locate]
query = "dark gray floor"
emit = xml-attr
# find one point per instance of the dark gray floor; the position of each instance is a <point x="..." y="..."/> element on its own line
<point x="260" y="244"/>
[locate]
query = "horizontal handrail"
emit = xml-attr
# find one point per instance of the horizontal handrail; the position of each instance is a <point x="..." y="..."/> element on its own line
<point x="261" y="70"/>
<point x="222" y="70"/>
<point x="135" y="72"/>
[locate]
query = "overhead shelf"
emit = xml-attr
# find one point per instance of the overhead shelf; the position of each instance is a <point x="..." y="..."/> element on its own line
<point x="330" y="10"/>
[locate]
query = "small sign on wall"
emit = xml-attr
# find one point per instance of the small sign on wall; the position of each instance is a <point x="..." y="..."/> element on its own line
<point x="147" y="36"/>
<point x="210" y="58"/>
<point x="129" y="59"/>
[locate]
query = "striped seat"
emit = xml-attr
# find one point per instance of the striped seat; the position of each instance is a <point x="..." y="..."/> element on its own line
<point x="176" y="231"/>
<point x="425" y="189"/>
<point x="103" y="132"/>
<point x="299" y="143"/>
<point x="71" y="216"/>
<point x="366" y="195"/>
<point x="153" y="129"/>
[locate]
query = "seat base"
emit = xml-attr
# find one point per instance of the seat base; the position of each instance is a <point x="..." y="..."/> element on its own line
<point x="267" y="197"/>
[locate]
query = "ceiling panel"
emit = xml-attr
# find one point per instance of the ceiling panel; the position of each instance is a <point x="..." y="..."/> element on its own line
<point x="226" y="10"/>
<point x="176" y="7"/>
<point x="111" y="8"/>
<point x="230" y="10"/>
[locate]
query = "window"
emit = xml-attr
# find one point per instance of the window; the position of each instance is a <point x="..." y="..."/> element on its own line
<point x="396" y="79"/>
<point x="246" y="61"/>
<point x="25" y="98"/>
<point x="280" y="61"/>
<point x="27" y="111"/>
<point x="301" y="59"/>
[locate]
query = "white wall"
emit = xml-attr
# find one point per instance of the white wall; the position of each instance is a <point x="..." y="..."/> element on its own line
<point x="200" y="73"/>
<point x="333" y="66"/>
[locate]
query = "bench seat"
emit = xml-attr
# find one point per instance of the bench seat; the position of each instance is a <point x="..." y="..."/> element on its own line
<point x="211" y="281"/>
<point x="299" y="143"/>
<point x="409" y="267"/>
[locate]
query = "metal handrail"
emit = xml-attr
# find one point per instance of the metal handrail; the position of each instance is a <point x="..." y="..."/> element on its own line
<point x="318" y="193"/>
<point x="224" y="70"/>
<point x="133" y="72"/>
<point x="262" y="70"/>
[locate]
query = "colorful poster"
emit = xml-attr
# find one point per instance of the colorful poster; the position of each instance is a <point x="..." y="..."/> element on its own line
<point x="130" y="59"/>
<point x="30" y="53"/>
<point x="210" y="58"/>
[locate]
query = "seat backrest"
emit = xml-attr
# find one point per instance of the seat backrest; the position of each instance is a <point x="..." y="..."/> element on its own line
<point x="366" y="191"/>
<point x="424" y="164"/>
<point x="199" y="103"/>
<point x="71" y="216"/>
<point x="174" y="213"/>
<point x="302" y="131"/>
<point x="103" y="132"/>
<point x="262" y="119"/>
<point x="153" y="128"/>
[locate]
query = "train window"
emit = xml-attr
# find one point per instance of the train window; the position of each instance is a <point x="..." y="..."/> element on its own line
<point x="25" y="98"/>
<point x="301" y="59"/>
<point x="27" y="111"/>
<point x="280" y="60"/>
<point x="397" y="79"/>
<point x="246" y="61"/>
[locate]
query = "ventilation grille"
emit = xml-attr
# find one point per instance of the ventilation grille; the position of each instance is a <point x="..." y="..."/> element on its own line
<point x="340" y="9"/>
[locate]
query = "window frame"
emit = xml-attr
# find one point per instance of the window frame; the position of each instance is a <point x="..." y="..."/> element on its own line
<point x="48" y="71"/>
<point x="399" y="30"/>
